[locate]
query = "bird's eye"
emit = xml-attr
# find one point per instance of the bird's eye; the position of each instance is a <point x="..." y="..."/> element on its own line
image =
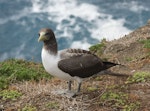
<point x="47" y="34"/>
<point x="38" y="34"/>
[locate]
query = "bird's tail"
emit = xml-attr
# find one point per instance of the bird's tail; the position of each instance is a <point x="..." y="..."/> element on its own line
<point x="109" y="64"/>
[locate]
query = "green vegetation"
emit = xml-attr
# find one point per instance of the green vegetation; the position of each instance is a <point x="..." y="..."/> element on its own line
<point x="20" y="70"/>
<point x="92" y="88"/>
<point x="98" y="48"/>
<point x="99" y="78"/>
<point x="146" y="43"/>
<point x="131" y="106"/>
<point x="9" y="94"/>
<point x="28" y="108"/>
<point x="52" y="105"/>
<point x="129" y="59"/>
<point x="3" y="82"/>
<point x="139" y="77"/>
<point x="118" y="100"/>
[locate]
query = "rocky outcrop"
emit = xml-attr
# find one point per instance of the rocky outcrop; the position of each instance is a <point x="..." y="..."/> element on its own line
<point x="132" y="50"/>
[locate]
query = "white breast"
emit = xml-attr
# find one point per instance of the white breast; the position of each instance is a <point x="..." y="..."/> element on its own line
<point x="50" y="64"/>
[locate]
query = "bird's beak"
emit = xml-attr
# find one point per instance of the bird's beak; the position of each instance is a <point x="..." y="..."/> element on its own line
<point x="42" y="37"/>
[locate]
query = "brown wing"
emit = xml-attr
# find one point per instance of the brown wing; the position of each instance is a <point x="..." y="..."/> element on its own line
<point x="82" y="65"/>
<point x="73" y="52"/>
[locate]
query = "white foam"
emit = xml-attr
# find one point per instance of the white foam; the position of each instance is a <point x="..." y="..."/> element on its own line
<point x="109" y="29"/>
<point x="101" y="25"/>
<point x="80" y="45"/>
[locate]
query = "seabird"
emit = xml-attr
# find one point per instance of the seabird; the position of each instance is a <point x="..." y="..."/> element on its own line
<point x="69" y="64"/>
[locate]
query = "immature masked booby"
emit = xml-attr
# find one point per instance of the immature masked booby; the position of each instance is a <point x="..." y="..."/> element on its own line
<point x="69" y="64"/>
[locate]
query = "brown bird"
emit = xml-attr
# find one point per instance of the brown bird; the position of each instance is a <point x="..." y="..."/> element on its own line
<point x="69" y="64"/>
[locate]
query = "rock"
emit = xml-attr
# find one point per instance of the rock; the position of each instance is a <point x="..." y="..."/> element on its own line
<point x="129" y="49"/>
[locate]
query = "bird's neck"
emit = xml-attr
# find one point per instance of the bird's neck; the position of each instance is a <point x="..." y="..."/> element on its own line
<point x="51" y="47"/>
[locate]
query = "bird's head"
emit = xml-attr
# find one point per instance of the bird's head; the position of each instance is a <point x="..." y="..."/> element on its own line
<point x="46" y="34"/>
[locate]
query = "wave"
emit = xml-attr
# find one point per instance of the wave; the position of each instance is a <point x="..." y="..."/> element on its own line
<point x="97" y="23"/>
<point x="77" y="24"/>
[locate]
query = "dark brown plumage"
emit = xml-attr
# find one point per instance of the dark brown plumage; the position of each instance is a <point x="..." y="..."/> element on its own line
<point x="83" y="64"/>
<point x="69" y="64"/>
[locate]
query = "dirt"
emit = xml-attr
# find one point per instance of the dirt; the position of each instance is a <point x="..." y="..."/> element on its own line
<point x="127" y="51"/>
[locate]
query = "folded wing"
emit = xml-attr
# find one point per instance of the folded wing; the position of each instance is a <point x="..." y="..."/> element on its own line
<point x="81" y="63"/>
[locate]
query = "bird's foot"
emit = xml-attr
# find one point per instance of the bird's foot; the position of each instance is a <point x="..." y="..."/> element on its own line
<point x="71" y="94"/>
<point x="66" y="93"/>
<point x="58" y="92"/>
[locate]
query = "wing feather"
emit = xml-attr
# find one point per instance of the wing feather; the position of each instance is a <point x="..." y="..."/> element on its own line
<point x="81" y="65"/>
<point x="73" y="52"/>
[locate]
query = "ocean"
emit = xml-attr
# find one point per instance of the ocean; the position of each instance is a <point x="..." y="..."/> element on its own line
<point x="76" y="23"/>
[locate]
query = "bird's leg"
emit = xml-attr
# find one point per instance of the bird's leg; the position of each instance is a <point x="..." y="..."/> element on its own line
<point x="79" y="87"/>
<point x="78" y="90"/>
<point x="72" y="94"/>
<point x="66" y="93"/>
<point x="69" y="85"/>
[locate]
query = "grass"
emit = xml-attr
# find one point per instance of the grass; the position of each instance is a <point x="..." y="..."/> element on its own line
<point x="128" y="59"/>
<point x="98" y="48"/>
<point x="3" y="82"/>
<point x="146" y="43"/>
<point x="116" y="97"/>
<point x="28" y="108"/>
<point x="131" y="106"/>
<point x="92" y="88"/>
<point x="118" y="100"/>
<point x="20" y="70"/>
<point x="139" y="77"/>
<point x="52" y="105"/>
<point x="10" y="94"/>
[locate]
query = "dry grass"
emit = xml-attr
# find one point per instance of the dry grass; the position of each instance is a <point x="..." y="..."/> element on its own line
<point x="41" y="94"/>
